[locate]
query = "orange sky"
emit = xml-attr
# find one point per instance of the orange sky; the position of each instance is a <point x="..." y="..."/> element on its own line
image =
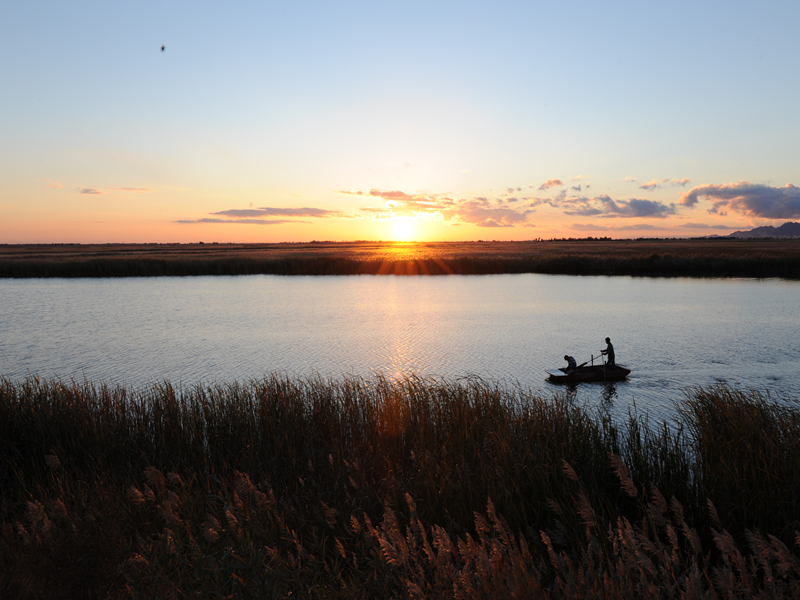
<point x="267" y="123"/>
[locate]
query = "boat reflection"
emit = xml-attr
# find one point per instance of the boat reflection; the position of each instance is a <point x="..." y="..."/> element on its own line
<point x="608" y="395"/>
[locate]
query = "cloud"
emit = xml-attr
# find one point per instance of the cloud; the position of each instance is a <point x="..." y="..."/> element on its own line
<point x="653" y="184"/>
<point x="254" y="216"/>
<point x="318" y="213"/>
<point x="240" y="221"/>
<point x="640" y="227"/>
<point x="588" y="227"/>
<point x="576" y="188"/>
<point x="593" y="227"/>
<point x="750" y="199"/>
<point x="550" y="183"/>
<point x="604" y="206"/>
<point x="478" y="211"/>
<point x="54" y="184"/>
<point x="630" y="179"/>
<point x="105" y="191"/>
<point x="475" y="213"/>
<point x="705" y="226"/>
<point x="579" y="177"/>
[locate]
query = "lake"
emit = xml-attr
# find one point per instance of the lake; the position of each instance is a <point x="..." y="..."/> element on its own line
<point x="673" y="333"/>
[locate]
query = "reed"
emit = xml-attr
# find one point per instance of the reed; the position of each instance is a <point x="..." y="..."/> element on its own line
<point x="376" y="487"/>
<point x="651" y="258"/>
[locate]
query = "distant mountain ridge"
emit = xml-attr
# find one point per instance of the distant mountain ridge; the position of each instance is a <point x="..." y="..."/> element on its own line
<point x="787" y="230"/>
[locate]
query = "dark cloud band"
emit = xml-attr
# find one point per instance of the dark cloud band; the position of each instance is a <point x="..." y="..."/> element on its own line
<point x="750" y="199"/>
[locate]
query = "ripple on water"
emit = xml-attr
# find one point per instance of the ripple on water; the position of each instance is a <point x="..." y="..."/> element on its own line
<point x="675" y="334"/>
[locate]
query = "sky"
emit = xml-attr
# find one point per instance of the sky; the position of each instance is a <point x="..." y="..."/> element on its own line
<point x="301" y="121"/>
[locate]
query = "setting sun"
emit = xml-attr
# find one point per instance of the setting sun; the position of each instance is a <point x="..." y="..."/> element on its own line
<point x="404" y="230"/>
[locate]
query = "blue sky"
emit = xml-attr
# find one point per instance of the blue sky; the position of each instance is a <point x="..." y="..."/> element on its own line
<point x="449" y="119"/>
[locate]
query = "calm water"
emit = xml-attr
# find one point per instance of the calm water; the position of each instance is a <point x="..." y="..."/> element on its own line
<point x="673" y="333"/>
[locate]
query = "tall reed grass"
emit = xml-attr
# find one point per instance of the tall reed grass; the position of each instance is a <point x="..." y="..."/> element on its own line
<point x="376" y="487"/>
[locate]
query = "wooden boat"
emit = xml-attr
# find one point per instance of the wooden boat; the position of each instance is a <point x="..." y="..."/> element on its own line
<point x="589" y="373"/>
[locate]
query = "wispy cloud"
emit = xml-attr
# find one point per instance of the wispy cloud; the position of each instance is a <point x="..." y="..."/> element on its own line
<point x="750" y="199"/>
<point x="551" y="183"/>
<point x="54" y="184"/>
<point x="255" y="216"/>
<point x="705" y="226"/>
<point x="319" y="213"/>
<point x="113" y="191"/>
<point x="667" y="182"/>
<point x="241" y="221"/>
<point x="640" y="227"/>
<point x="675" y="182"/>
<point x="589" y="227"/>
<point x="595" y="227"/>
<point x="506" y="212"/>
<point x="454" y="211"/>
<point x="605" y="206"/>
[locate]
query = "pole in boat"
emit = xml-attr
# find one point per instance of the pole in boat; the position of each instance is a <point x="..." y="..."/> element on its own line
<point x="604" y="366"/>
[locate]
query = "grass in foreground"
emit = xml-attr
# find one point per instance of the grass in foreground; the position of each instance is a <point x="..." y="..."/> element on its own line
<point x="369" y="488"/>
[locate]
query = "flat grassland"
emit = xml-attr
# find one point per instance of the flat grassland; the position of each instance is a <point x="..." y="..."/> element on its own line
<point x="651" y="257"/>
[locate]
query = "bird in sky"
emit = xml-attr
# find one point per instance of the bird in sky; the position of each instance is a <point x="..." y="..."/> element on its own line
<point x="162" y="48"/>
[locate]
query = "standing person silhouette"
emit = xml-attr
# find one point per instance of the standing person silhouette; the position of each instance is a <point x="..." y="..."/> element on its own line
<point x="609" y="352"/>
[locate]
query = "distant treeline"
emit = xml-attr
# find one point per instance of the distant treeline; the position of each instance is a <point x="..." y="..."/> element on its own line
<point x="368" y="488"/>
<point x="649" y="265"/>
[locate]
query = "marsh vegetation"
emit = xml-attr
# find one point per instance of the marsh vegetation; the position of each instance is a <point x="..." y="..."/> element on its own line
<point x="391" y="488"/>
<point x="670" y="258"/>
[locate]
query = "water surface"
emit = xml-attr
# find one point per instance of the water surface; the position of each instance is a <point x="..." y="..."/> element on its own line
<point x="673" y="333"/>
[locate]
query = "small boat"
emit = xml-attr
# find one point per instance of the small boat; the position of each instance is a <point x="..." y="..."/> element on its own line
<point x="589" y="373"/>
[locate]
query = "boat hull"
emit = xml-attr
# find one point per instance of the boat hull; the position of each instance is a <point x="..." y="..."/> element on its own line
<point x="589" y="373"/>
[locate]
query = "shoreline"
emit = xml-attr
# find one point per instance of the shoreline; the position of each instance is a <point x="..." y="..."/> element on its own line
<point x="645" y="258"/>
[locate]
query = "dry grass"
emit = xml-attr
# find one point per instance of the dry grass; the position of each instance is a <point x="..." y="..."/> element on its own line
<point x="704" y="258"/>
<point x="375" y="488"/>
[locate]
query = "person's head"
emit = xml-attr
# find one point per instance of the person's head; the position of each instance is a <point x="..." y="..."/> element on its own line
<point x="608" y="340"/>
<point x="566" y="357"/>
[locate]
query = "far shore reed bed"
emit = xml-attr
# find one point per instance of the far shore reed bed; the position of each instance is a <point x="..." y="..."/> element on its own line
<point x="654" y="258"/>
<point x="411" y="488"/>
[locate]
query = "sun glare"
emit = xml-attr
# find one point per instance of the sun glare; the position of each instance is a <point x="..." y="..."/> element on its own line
<point x="403" y="230"/>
